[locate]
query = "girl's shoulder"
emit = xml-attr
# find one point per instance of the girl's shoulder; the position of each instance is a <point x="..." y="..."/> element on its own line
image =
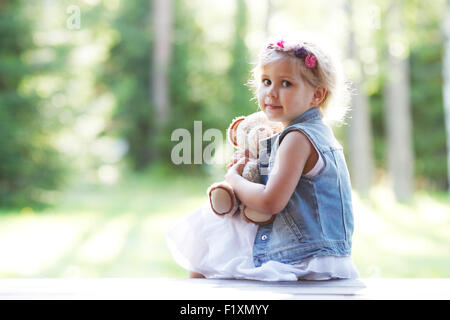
<point x="295" y="144"/>
<point x="294" y="137"/>
<point x="319" y="134"/>
<point x="299" y="145"/>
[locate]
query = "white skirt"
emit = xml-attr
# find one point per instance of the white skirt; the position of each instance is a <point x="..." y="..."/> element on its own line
<point x="221" y="247"/>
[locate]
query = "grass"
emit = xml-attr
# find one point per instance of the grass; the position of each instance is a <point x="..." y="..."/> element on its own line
<point x="100" y="231"/>
<point x="118" y="231"/>
<point x="408" y="240"/>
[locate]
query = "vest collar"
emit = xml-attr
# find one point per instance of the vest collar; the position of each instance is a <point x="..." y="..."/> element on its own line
<point x="313" y="113"/>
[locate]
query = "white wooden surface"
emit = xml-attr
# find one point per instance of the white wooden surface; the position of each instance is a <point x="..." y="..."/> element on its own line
<point x="208" y="289"/>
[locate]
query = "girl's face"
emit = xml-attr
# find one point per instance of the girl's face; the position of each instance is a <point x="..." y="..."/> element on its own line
<point x="282" y="93"/>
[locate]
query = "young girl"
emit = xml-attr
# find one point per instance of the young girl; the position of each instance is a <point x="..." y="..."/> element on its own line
<point x="306" y="184"/>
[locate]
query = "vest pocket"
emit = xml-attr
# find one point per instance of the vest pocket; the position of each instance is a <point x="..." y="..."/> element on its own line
<point x="290" y="223"/>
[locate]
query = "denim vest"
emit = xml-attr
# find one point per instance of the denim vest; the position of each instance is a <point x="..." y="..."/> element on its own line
<point x="318" y="219"/>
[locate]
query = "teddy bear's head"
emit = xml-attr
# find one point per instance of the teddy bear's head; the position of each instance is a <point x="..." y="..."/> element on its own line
<point x="246" y="132"/>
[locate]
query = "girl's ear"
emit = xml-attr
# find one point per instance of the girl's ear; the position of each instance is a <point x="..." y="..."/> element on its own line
<point x="319" y="95"/>
<point x="232" y="130"/>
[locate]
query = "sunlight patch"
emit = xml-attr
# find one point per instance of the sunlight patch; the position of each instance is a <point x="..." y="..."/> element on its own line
<point x="107" y="243"/>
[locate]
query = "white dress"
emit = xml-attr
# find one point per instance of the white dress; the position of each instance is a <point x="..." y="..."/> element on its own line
<point x="221" y="247"/>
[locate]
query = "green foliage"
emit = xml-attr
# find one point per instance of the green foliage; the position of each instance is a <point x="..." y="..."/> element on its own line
<point x="425" y="67"/>
<point x="188" y="77"/>
<point x="428" y="114"/>
<point x="239" y="72"/>
<point x="426" y="53"/>
<point x="29" y="165"/>
<point x="126" y="75"/>
<point x="207" y="83"/>
<point x="130" y="57"/>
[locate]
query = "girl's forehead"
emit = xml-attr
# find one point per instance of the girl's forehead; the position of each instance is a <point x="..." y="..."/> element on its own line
<point x="282" y="66"/>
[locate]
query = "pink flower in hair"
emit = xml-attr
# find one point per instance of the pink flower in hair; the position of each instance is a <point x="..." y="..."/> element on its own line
<point x="310" y="61"/>
<point x="280" y="43"/>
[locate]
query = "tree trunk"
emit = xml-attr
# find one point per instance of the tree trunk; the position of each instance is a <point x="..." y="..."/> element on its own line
<point x="359" y="132"/>
<point x="446" y="87"/>
<point x="400" y="159"/>
<point x="162" y="51"/>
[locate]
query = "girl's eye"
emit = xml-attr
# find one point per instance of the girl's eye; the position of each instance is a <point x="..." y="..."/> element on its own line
<point x="285" y="83"/>
<point x="266" y="82"/>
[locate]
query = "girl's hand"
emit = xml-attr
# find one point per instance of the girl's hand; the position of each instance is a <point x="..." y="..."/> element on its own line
<point x="237" y="156"/>
<point x="236" y="169"/>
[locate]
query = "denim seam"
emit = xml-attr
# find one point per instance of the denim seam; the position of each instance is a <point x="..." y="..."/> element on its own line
<point x="289" y="220"/>
<point x="313" y="244"/>
<point x="341" y="196"/>
<point x="316" y="209"/>
<point x="319" y="245"/>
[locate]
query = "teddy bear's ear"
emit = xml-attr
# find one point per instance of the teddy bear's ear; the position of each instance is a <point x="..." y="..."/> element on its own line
<point x="232" y="130"/>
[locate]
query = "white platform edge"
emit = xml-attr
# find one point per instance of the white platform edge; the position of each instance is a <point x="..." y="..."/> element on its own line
<point x="211" y="289"/>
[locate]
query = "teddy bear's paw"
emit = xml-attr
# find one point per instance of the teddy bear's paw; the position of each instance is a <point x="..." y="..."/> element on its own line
<point x="256" y="216"/>
<point x="251" y="171"/>
<point x="222" y="200"/>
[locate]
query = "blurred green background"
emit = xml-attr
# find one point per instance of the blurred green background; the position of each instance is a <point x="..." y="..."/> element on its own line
<point x="91" y="91"/>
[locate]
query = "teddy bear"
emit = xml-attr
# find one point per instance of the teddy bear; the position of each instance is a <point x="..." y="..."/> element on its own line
<point x="244" y="133"/>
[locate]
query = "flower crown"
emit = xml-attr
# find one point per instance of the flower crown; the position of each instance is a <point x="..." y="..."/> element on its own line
<point x="299" y="51"/>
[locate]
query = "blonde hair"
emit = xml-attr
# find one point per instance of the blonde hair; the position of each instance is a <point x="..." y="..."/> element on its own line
<point x="328" y="72"/>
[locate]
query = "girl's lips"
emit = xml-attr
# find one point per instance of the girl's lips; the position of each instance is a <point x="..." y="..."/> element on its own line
<point x="272" y="107"/>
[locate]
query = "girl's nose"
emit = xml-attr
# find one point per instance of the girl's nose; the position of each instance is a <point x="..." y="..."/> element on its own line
<point x="272" y="92"/>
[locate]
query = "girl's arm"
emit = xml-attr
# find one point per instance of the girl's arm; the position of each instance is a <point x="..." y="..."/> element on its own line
<point x="290" y="160"/>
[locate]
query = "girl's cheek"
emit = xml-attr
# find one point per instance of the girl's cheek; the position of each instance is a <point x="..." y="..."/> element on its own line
<point x="260" y="104"/>
<point x="260" y="97"/>
<point x="263" y="91"/>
